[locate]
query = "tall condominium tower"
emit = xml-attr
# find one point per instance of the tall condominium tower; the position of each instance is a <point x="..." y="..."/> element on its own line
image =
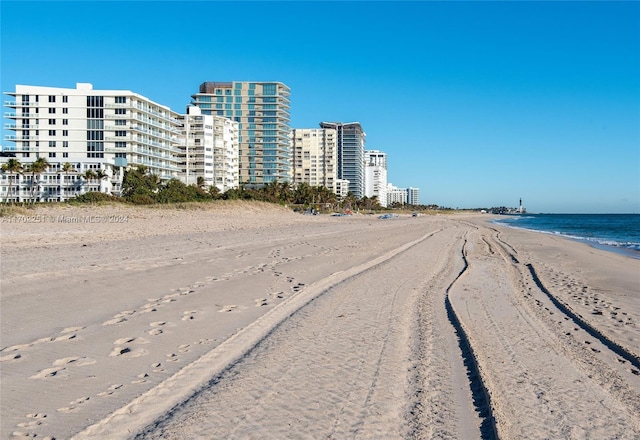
<point x="413" y="196"/>
<point x="351" y="140"/>
<point x="212" y="146"/>
<point x="261" y="110"/>
<point x="315" y="157"/>
<point x="105" y="130"/>
<point x="375" y="176"/>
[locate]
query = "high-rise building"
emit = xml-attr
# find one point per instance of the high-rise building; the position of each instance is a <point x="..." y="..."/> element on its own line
<point x="314" y="157"/>
<point x="375" y="176"/>
<point x="261" y="110"/>
<point x="212" y="145"/>
<point x="351" y="141"/>
<point x="100" y="130"/>
<point x="413" y="196"/>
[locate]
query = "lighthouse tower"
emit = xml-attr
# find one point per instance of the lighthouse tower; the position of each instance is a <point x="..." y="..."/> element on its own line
<point x="521" y="209"/>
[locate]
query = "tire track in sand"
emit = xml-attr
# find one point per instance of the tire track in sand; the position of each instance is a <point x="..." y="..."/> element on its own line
<point x="217" y="364"/>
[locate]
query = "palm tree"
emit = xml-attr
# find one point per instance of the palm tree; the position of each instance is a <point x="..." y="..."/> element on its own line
<point x="36" y="168"/>
<point x="89" y="175"/>
<point x="200" y="182"/>
<point x="101" y="175"/>
<point x="12" y="166"/>
<point x="66" y="169"/>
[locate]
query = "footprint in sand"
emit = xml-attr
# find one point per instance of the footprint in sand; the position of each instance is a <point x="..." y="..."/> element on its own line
<point x="111" y="390"/>
<point x="142" y="378"/>
<point x="79" y="401"/>
<point x="20" y="434"/>
<point x="31" y="424"/>
<point x="183" y="348"/>
<point x="48" y="372"/>
<point x="120" y="317"/>
<point x="298" y="287"/>
<point x="228" y="308"/>
<point x="261" y="302"/>
<point x="172" y="357"/>
<point x="155" y="328"/>
<point x="79" y="361"/>
<point x="10" y="357"/>
<point x="123" y="349"/>
<point x="188" y="315"/>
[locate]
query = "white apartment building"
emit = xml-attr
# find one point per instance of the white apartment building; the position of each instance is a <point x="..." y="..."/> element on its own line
<point x="404" y="196"/>
<point x="375" y="175"/>
<point x="315" y="157"/>
<point x="101" y="130"/>
<point x="342" y="188"/>
<point x="413" y="196"/>
<point x="396" y="195"/>
<point x="212" y="146"/>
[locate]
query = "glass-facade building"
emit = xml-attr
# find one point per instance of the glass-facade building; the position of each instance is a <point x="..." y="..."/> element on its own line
<point x="262" y="111"/>
<point x="351" y="141"/>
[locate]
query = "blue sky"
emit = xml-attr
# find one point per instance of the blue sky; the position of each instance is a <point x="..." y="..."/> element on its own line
<point x="475" y="103"/>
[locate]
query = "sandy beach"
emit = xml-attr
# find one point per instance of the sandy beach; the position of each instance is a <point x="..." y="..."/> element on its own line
<point x="246" y="320"/>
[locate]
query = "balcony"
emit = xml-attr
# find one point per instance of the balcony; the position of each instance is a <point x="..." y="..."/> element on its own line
<point x="14" y="104"/>
<point x="14" y="138"/>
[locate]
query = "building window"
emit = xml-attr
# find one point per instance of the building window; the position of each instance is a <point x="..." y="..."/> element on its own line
<point x="121" y="99"/>
<point x="65" y="122"/>
<point x="65" y="98"/>
<point x="52" y="122"/>
<point x="52" y="144"/>
<point x="95" y="101"/>
<point x="121" y="122"/>
<point x="121" y="111"/>
<point x="65" y="154"/>
<point x="52" y="154"/>
<point x="122" y="155"/>
<point x="52" y="109"/>
<point x="121" y="133"/>
<point x="52" y="98"/>
<point x="65" y="110"/>
<point x="121" y="145"/>
<point x="52" y="132"/>
<point x="65" y="132"/>
<point x="95" y="135"/>
<point x="65" y="144"/>
<point x="95" y="113"/>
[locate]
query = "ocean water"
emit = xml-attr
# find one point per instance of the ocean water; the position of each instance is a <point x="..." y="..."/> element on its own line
<point x="612" y="232"/>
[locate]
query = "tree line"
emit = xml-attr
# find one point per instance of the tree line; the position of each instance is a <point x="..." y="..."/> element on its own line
<point x="140" y="186"/>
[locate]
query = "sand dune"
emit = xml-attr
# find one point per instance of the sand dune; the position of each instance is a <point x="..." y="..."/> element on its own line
<point x="261" y="323"/>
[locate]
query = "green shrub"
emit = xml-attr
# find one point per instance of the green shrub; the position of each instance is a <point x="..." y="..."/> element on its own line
<point x="95" y="197"/>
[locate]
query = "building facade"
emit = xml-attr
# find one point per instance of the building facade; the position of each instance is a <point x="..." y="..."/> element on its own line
<point x="403" y="196"/>
<point x="262" y="111"/>
<point x="351" y="142"/>
<point x="315" y="157"/>
<point x="375" y="176"/>
<point x="100" y="130"/>
<point x="211" y="144"/>
<point x="413" y="196"/>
